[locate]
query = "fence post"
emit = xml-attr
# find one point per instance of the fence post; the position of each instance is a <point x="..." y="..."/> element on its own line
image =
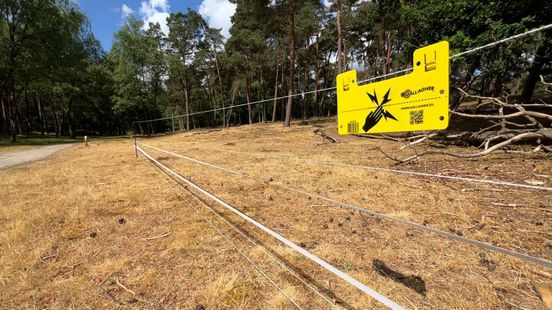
<point x="135" y="148"/>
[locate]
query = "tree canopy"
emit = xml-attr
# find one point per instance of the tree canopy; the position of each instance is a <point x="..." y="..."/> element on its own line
<point x="56" y="79"/>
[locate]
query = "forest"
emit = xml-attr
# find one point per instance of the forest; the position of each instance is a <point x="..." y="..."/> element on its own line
<point x="55" y="78"/>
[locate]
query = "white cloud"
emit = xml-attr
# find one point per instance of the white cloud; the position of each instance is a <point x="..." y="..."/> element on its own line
<point x="126" y="11"/>
<point x="218" y="14"/>
<point x="155" y="11"/>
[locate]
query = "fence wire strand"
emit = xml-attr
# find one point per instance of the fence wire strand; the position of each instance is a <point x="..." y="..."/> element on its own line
<point x="473" y="50"/>
<point x="234" y="246"/>
<point x="352" y="281"/>
<point x="484" y="245"/>
<point x="382" y="169"/>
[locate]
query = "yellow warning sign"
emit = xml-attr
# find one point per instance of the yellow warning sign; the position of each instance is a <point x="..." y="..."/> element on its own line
<point x="412" y="102"/>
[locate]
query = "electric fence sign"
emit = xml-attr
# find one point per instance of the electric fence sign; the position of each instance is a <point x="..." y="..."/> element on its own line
<point x="413" y="102"/>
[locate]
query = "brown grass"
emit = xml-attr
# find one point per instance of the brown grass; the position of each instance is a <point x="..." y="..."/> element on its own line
<point x="66" y="210"/>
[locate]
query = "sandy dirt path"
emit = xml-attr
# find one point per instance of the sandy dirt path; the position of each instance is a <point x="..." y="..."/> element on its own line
<point x="12" y="159"/>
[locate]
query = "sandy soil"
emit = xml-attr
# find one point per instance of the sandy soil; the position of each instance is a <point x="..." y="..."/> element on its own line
<point x="20" y="157"/>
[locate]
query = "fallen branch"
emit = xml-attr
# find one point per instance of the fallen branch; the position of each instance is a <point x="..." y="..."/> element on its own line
<point x="544" y="82"/>
<point x="134" y="294"/>
<point x="507" y="116"/>
<point x="117" y="301"/>
<point x="498" y="102"/>
<point x="74" y="267"/>
<point x="422" y="139"/>
<point x="158" y="237"/>
<point x="124" y="287"/>
<point x="325" y="136"/>
<point x="44" y="258"/>
<point x="517" y="138"/>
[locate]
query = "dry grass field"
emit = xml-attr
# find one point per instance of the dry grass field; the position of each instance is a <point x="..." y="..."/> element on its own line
<point x="96" y="227"/>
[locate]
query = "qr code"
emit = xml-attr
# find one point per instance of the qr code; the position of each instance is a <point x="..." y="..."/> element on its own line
<point x="352" y="127"/>
<point x="416" y="117"/>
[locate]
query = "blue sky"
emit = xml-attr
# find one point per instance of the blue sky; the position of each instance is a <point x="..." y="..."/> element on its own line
<point x="107" y="16"/>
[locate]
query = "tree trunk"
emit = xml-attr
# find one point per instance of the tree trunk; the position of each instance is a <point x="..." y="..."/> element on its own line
<point x="262" y="98"/>
<point x="186" y="103"/>
<point x="339" y="35"/>
<point x="542" y="52"/>
<point x="291" y="62"/>
<point x="193" y="118"/>
<point x="41" y="116"/>
<point x="57" y="123"/>
<point x="275" y="95"/>
<point x="152" y="129"/>
<point x="70" y="120"/>
<point x="248" y="95"/>
<point x="316" y="78"/>
<point x="305" y="88"/>
<point x="388" y="51"/>
<point x="283" y="107"/>
<point x="229" y="115"/>
<point x="172" y="119"/>
<point x="12" y="107"/>
<point x="27" y="112"/>
<point x="5" y="123"/>
<point x="213" y="101"/>
<point x="345" y="55"/>
<point x="221" y="89"/>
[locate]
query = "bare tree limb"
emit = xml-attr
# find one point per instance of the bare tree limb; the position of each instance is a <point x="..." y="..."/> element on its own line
<point x="544" y="82"/>
<point x="507" y="116"/>
<point x="134" y="294"/>
<point x="158" y="237"/>
<point x="517" y="138"/>
<point x="325" y="136"/>
<point x="420" y="140"/>
<point x="496" y="101"/>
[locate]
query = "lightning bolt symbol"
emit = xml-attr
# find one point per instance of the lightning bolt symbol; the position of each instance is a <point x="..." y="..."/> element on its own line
<point x="386" y="114"/>
<point x="374" y="97"/>
<point x="380" y="111"/>
<point x="385" y="97"/>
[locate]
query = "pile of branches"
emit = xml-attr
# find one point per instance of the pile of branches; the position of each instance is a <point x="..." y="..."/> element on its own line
<point x="503" y="123"/>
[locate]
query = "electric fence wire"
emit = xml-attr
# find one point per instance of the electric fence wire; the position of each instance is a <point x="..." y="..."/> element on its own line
<point x="381" y="169"/>
<point x="247" y="258"/>
<point x="483" y="245"/>
<point x="519" y="35"/>
<point x="359" y="285"/>
<point x="250" y="240"/>
<point x="272" y="256"/>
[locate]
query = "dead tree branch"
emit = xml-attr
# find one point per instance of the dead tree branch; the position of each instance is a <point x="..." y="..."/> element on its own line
<point x="158" y="237"/>
<point x="325" y="136"/>
<point x="544" y="82"/>
<point x="507" y="116"/>
<point x="516" y="138"/>
<point x="420" y="140"/>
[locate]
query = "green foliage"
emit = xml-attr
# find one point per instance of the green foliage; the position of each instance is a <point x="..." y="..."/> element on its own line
<point x="55" y="77"/>
<point x="348" y="266"/>
<point x="47" y="51"/>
